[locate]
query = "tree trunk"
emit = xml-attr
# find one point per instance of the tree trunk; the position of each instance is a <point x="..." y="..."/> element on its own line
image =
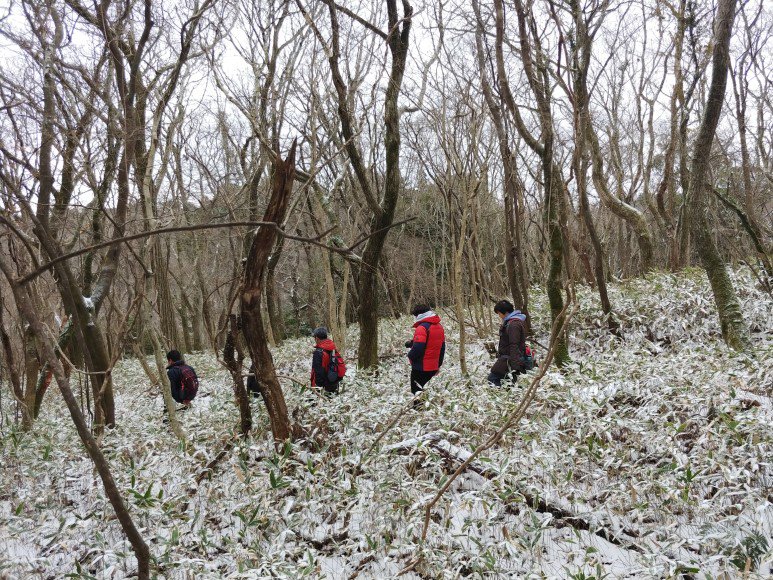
<point x="22" y="399"/>
<point x="581" y="55"/>
<point x="367" y="355"/>
<point x="631" y="215"/>
<point x="728" y="307"/>
<point x="457" y="250"/>
<point x="235" y="366"/>
<point x="382" y="209"/>
<point x="273" y="303"/>
<point x="554" y="189"/>
<point x="32" y="370"/>
<point x="514" y="259"/>
<point x="251" y="294"/>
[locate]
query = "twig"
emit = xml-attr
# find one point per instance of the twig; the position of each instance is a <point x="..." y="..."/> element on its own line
<point x="542" y="506"/>
<point x="207" y="471"/>
<point x="361" y="566"/>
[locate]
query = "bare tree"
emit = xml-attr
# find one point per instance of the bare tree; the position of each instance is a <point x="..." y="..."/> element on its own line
<point x="381" y="204"/>
<point x="538" y="78"/>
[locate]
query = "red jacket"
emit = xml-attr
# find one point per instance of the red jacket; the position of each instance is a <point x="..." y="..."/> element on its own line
<point x="427" y="355"/>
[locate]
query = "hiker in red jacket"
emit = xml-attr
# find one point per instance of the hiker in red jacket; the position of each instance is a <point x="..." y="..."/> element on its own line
<point x="327" y="366"/>
<point x="428" y="347"/>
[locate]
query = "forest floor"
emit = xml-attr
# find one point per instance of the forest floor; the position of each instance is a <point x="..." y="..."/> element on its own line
<point x="648" y="457"/>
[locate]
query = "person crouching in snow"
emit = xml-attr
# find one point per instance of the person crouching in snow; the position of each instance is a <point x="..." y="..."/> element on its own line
<point x="428" y="347"/>
<point x="512" y="344"/>
<point x="327" y="366"/>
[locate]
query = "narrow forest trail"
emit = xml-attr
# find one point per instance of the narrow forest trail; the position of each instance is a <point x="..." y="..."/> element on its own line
<point x="648" y="457"/>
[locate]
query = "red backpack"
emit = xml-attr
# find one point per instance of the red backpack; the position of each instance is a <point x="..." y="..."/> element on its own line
<point x="336" y="367"/>
<point x="189" y="383"/>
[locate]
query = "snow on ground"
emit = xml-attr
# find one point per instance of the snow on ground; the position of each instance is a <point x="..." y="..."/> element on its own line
<point x="661" y="443"/>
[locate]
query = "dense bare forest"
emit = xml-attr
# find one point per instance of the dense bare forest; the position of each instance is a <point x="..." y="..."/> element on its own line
<point x="222" y="178"/>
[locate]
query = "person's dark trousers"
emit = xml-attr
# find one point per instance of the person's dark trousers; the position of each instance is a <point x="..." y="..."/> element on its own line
<point x="496" y="379"/>
<point x="419" y="379"/>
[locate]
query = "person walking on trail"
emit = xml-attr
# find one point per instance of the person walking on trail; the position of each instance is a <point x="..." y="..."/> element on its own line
<point x="182" y="378"/>
<point x="428" y="347"/>
<point x="327" y="365"/>
<point x="512" y="344"/>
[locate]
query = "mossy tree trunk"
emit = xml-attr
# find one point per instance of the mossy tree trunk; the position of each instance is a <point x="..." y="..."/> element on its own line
<point x="381" y="206"/>
<point x="538" y="77"/>
<point x="725" y="297"/>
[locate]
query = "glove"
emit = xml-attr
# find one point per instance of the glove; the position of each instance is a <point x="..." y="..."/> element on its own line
<point x="408" y="343"/>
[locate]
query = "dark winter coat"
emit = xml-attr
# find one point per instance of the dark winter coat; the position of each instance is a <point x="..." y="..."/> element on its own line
<point x="428" y="347"/>
<point x="175" y="373"/>
<point x="512" y="346"/>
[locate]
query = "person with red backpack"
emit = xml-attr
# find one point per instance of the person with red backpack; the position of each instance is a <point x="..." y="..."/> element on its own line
<point x="428" y="347"/>
<point x="511" y="352"/>
<point x="327" y="365"/>
<point x="182" y="378"/>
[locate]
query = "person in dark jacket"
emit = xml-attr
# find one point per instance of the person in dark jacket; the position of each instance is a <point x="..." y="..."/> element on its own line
<point x="512" y="344"/>
<point x="324" y="348"/>
<point x="428" y="347"/>
<point x="253" y="387"/>
<point x="182" y="378"/>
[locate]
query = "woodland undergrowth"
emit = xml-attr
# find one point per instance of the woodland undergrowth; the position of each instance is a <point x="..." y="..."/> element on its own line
<point x="646" y="457"/>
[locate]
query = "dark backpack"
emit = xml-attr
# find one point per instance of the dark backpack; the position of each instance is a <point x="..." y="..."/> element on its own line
<point x="189" y="383"/>
<point x="336" y="368"/>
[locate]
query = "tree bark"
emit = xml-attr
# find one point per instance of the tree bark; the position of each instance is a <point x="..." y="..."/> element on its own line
<point x="273" y="303"/>
<point x="234" y="358"/>
<point x="728" y="307"/>
<point x="252" y="292"/>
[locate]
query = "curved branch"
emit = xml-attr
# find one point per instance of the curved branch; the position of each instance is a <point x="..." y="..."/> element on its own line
<point x="345" y="252"/>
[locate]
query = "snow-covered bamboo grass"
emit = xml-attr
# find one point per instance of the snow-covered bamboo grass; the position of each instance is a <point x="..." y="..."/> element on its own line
<point x="665" y="434"/>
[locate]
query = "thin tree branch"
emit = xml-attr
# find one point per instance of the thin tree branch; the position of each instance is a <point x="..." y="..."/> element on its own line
<point x="346" y="252"/>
